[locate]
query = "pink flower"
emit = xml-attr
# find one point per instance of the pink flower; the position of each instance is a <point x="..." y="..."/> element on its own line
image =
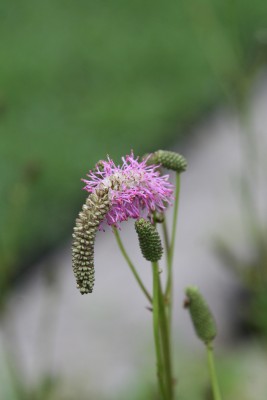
<point x="135" y="189"/>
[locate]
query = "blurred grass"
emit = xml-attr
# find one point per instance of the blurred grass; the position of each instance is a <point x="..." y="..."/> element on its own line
<point x="82" y="79"/>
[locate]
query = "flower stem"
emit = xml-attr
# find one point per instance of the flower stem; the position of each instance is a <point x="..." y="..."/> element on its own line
<point x="166" y="239"/>
<point x="170" y="253"/>
<point x="156" y="322"/>
<point x="173" y="235"/>
<point x="129" y="262"/>
<point x="213" y="375"/>
<point x="166" y="346"/>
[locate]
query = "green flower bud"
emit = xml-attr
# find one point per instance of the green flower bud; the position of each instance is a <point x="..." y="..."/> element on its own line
<point x="93" y="212"/>
<point x="149" y="240"/>
<point x="201" y="315"/>
<point x="169" y="160"/>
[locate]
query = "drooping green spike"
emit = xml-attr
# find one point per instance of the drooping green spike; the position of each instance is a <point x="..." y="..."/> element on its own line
<point x="93" y="212"/>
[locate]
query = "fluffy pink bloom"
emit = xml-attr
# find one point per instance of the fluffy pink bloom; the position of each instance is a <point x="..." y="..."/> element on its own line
<point x="135" y="189"/>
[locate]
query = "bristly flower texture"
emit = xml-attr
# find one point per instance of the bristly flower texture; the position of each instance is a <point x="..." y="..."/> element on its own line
<point x="135" y="188"/>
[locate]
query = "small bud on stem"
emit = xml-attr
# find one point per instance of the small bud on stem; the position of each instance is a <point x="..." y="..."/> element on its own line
<point x="201" y="315"/>
<point x="169" y="160"/>
<point x="149" y="240"/>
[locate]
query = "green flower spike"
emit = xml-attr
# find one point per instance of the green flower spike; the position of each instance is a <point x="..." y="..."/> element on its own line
<point x="169" y="160"/>
<point x="87" y="224"/>
<point x="149" y="240"/>
<point x="202" y="318"/>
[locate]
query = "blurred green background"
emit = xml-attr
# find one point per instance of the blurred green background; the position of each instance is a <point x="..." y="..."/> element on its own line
<point x="82" y="79"/>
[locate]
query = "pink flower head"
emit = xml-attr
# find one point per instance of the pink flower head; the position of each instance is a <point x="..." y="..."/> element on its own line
<point x="135" y="189"/>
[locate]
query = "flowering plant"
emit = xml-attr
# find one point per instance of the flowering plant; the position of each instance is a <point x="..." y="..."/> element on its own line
<point x="137" y="189"/>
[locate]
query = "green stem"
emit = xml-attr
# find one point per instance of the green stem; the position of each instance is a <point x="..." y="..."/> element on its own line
<point x="165" y="337"/>
<point x="166" y="239"/>
<point x="212" y="371"/>
<point x="173" y="235"/>
<point x="129" y="262"/>
<point x="170" y="253"/>
<point x="156" y="310"/>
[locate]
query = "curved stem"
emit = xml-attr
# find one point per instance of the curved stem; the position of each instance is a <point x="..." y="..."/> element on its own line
<point x="156" y="326"/>
<point x="129" y="262"/>
<point x="213" y="375"/>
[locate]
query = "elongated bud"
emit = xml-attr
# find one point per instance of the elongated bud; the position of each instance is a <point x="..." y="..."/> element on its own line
<point x="93" y="212"/>
<point x="201" y="315"/>
<point x="149" y="240"/>
<point x="169" y="160"/>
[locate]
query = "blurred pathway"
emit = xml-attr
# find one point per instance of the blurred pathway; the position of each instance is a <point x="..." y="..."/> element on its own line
<point x="103" y="337"/>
